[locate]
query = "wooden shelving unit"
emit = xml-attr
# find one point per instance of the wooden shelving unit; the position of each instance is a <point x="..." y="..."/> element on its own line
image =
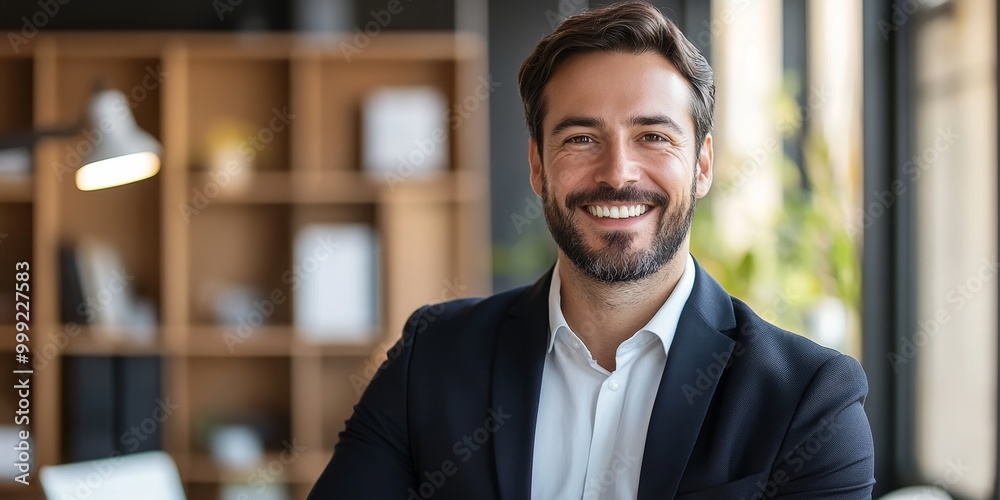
<point x="433" y="233"/>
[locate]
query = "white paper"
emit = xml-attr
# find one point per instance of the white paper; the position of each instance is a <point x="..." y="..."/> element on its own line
<point x="337" y="278"/>
<point x="405" y="133"/>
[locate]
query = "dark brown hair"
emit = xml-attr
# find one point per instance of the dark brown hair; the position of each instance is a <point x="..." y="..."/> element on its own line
<point x="629" y="27"/>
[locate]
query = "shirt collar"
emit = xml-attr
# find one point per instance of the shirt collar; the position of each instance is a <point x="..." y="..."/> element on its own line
<point x="663" y="324"/>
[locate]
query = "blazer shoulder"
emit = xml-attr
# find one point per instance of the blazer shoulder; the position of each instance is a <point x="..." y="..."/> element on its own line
<point x="775" y="362"/>
<point x="807" y="384"/>
<point x="777" y="344"/>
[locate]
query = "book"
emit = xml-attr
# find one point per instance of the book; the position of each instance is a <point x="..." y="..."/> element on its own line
<point x="405" y="132"/>
<point x="15" y="162"/>
<point x="335" y="293"/>
<point x="88" y="408"/>
<point x="96" y="289"/>
<point x="112" y="404"/>
<point x="106" y="285"/>
<point x="70" y="288"/>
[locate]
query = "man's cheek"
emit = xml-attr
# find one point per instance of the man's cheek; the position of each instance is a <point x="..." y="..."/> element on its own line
<point x="564" y="174"/>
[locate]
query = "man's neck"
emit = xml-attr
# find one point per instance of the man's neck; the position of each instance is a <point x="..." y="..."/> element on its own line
<point x="604" y="314"/>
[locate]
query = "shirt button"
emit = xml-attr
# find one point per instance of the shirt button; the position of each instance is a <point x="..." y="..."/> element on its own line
<point x="576" y="344"/>
<point x="614" y="385"/>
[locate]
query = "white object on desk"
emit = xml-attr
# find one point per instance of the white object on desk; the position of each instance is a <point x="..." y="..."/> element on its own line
<point x="150" y="476"/>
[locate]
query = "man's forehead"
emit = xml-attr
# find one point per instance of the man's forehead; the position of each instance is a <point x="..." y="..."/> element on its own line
<point x="616" y="87"/>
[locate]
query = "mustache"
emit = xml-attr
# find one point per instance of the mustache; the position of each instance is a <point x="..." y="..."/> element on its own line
<point x="608" y="194"/>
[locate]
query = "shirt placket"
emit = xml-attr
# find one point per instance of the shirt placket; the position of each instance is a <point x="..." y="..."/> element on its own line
<point x="601" y="477"/>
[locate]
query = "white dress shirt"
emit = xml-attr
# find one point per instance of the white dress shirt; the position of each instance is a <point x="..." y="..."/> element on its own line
<point x="591" y="425"/>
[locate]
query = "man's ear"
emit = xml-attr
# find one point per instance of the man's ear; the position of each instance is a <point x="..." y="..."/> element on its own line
<point x="535" y="162"/>
<point x="705" y="159"/>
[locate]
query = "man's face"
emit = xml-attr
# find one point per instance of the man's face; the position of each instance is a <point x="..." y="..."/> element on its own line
<point x="620" y="169"/>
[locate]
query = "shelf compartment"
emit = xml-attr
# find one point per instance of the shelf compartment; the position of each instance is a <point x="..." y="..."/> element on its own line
<point x="232" y="390"/>
<point x="16" y="95"/>
<point x="126" y="217"/>
<point x="241" y="106"/>
<point x="344" y="87"/>
<point x="140" y="79"/>
<point x="119" y="227"/>
<point x="238" y="252"/>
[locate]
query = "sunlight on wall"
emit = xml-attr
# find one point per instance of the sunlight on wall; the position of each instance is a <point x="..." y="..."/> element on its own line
<point x="787" y="250"/>
<point x="955" y="171"/>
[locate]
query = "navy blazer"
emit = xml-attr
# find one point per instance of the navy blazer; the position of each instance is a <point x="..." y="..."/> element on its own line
<point x="743" y="410"/>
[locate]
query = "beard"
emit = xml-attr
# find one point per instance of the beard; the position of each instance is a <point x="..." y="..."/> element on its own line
<point x="618" y="262"/>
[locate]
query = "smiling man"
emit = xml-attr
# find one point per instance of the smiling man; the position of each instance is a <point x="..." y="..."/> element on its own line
<point x="626" y="371"/>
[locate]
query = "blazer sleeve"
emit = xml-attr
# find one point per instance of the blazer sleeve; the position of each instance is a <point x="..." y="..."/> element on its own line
<point x="828" y="452"/>
<point x="372" y="458"/>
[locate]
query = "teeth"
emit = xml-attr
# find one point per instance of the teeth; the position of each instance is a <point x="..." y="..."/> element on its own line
<point x="617" y="212"/>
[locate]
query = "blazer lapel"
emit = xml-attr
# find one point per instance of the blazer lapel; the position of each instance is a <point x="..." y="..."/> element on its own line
<point x="517" y="380"/>
<point x="695" y="362"/>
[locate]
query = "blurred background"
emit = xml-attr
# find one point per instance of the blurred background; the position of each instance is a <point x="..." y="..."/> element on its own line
<point x="313" y="171"/>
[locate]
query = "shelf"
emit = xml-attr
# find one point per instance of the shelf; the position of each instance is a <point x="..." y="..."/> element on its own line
<point x="458" y="186"/>
<point x="16" y="188"/>
<point x="267" y="341"/>
<point x="226" y="341"/>
<point x="202" y="468"/>
<point x="414" y="46"/>
<point x="304" y="469"/>
<point x="334" y="187"/>
<point x="195" y="267"/>
<point x="286" y="187"/>
<point x="204" y="341"/>
<point x="100" y="341"/>
<point x="334" y="350"/>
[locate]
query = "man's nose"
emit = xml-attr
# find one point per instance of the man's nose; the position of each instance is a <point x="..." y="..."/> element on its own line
<point x="618" y="167"/>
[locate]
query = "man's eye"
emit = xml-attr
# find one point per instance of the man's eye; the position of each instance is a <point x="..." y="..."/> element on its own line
<point x="579" y="139"/>
<point x="653" y="137"/>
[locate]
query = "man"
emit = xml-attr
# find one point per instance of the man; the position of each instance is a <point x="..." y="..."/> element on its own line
<point x="626" y="371"/>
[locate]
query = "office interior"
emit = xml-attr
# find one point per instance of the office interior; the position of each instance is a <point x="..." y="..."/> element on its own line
<point x="180" y="322"/>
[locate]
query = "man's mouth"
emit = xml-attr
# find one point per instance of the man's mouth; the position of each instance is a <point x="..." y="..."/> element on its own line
<point x="617" y="211"/>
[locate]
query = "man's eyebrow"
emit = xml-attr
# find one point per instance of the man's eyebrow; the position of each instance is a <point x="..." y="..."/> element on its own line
<point x="640" y="121"/>
<point x="635" y="121"/>
<point x="577" y="121"/>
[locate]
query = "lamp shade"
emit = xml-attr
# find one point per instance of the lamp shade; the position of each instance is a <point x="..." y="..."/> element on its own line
<point x="122" y="152"/>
